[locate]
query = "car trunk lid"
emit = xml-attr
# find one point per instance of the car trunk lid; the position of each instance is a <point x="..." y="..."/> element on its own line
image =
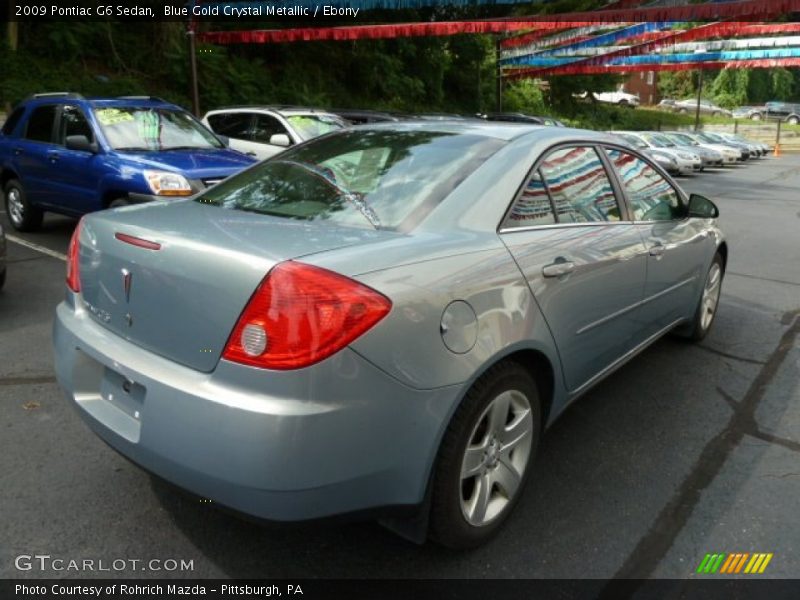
<point x="173" y="277"/>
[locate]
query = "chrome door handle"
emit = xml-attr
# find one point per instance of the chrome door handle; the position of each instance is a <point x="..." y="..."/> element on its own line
<point x="657" y="250"/>
<point x="558" y="268"/>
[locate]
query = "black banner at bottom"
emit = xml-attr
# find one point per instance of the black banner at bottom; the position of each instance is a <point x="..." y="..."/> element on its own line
<point x="410" y="589"/>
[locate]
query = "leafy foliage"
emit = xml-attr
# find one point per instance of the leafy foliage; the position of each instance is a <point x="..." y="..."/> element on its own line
<point x="447" y="74"/>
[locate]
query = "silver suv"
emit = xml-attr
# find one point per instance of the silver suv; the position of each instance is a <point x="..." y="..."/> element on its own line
<point x="264" y="131"/>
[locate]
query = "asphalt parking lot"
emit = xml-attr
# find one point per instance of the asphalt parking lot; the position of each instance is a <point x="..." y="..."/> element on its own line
<point x="685" y="451"/>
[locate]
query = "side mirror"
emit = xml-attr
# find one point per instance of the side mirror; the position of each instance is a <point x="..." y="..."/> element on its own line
<point x="280" y="139"/>
<point x="701" y="207"/>
<point x="80" y="143"/>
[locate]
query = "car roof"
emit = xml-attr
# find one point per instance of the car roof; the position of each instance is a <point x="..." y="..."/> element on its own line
<point x="502" y="130"/>
<point x="120" y="101"/>
<point x="132" y="101"/>
<point x="286" y="110"/>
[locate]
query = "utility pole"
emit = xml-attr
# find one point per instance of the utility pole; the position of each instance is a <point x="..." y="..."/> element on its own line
<point x="190" y="31"/>
<point x="699" y="94"/>
<point x="498" y="75"/>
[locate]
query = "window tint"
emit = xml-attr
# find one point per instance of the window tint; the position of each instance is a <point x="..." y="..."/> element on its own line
<point x="40" y="124"/>
<point x="652" y="197"/>
<point x="11" y="123"/>
<point x="579" y="186"/>
<point x="533" y="206"/>
<point x="232" y="125"/>
<point x="73" y="123"/>
<point x="266" y="127"/>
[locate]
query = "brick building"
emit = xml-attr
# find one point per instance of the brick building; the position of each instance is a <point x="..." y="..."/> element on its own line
<point x="645" y="85"/>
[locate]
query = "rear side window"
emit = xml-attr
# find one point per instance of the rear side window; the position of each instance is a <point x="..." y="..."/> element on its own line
<point x="232" y="125"/>
<point x="651" y="196"/>
<point x="532" y="207"/>
<point x="579" y="186"/>
<point x="11" y="123"/>
<point x="40" y="124"/>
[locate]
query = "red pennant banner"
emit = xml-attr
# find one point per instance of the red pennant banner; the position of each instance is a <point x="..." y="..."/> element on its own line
<point x="745" y="9"/>
<point x="586" y="65"/>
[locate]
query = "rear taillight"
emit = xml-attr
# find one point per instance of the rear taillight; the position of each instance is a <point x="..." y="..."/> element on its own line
<point x="73" y="259"/>
<point x="301" y="314"/>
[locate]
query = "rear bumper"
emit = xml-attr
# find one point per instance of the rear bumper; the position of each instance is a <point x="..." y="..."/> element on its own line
<point x="339" y="437"/>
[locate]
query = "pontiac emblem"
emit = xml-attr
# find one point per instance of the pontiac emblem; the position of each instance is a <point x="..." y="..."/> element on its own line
<point x="126" y="284"/>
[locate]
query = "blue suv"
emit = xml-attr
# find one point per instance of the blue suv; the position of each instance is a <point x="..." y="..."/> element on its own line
<point x="71" y="155"/>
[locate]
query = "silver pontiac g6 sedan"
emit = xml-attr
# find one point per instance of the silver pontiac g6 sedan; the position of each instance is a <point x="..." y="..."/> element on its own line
<point x="382" y="319"/>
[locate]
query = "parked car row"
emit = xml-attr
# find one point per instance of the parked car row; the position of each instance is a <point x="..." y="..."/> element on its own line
<point x="64" y="153"/>
<point x="686" y="152"/>
<point x="788" y="112"/>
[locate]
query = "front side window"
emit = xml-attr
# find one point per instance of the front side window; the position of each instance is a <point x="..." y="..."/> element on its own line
<point x="40" y="124"/>
<point x="73" y="123"/>
<point x="579" y="186"/>
<point x="651" y="196"/>
<point x="153" y="129"/>
<point x="533" y="207"/>
<point x="233" y="125"/>
<point x="378" y="179"/>
<point x="266" y="127"/>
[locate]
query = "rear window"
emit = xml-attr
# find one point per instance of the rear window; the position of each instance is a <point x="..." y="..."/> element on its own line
<point x="378" y="179"/>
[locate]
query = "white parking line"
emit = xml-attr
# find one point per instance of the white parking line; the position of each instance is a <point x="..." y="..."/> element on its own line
<point x="37" y="247"/>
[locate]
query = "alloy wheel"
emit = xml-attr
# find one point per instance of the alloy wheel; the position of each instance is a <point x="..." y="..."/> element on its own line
<point x="16" y="210"/>
<point x="496" y="457"/>
<point x="711" y="295"/>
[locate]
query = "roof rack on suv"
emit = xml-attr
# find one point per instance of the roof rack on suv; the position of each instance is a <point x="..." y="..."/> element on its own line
<point x="55" y="95"/>
<point x="153" y="98"/>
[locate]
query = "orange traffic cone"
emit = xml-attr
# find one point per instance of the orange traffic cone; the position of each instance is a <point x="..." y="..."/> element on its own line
<point x="777" y="151"/>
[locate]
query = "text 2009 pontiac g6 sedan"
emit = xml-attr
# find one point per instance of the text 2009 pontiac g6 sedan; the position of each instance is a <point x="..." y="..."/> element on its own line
<point x="384" y="317"/>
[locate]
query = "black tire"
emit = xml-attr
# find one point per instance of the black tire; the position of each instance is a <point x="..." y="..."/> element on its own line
<point x="22" y="215"/>
<point x="448" y="523"/>
<point x="755" y="117"/>
<point x="2" y="278"/>
<point x="118" y="202"/>
<point x="793" y="120"/>
<point x="683" y="111"/>
<point x="699" y="327"/>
